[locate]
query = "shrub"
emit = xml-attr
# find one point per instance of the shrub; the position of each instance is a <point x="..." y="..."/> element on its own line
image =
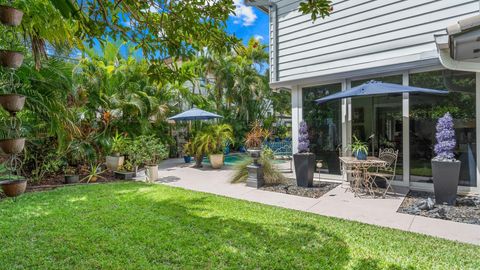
<point x="270" y="174"/>
<point x="147" y="150"/>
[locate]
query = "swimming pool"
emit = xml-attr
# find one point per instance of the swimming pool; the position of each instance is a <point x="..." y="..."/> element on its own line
<point x="236" y="158"/>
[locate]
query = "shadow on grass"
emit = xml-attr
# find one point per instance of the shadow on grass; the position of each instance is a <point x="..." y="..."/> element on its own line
<point x="147" y="226"/>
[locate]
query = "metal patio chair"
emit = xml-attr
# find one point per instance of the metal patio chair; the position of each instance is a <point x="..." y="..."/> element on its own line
<point x="388" y="172"/>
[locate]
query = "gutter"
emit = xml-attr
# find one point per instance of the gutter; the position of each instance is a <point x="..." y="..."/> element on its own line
<point x="273" y="48"/>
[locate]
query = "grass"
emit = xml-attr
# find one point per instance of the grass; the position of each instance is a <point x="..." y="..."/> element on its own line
<point x="139" y="226"/>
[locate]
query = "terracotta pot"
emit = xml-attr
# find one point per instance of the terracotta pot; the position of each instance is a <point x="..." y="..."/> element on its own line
<point x="10" y="16"/>
<point x="151" y="171"/>
<point x="11" y="59"/>
<point x="14" y="188"/>
<point x="115" y="162"/>
<point x="216" y="161"/>
<point x="12" y="146"/>
<point x="12" y="103"/>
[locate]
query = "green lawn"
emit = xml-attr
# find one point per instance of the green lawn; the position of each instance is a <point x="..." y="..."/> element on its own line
<point x="139" y="226"/>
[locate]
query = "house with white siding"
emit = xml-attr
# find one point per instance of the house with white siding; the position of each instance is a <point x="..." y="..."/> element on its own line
<point x="409" y="42"/>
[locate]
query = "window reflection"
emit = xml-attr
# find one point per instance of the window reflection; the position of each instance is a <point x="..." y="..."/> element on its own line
<point x="324" y="125"/>
<point x="426" y="109"/>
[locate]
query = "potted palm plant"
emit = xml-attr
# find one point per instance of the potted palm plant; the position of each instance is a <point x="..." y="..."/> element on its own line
<point x="152" y="153"/>
<point x="188" y="151"/>
<point x="445" y="168"/>
<point x="304" y="160"/>
<point x="359" y="149"/>
<point x="116" y="159"/>
<point x="212" y="141"/>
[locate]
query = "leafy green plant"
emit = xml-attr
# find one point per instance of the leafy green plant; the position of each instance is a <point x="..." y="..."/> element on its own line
<point x="119" y="143"/>
<point x="214" y="139"/>
<point x="69" y="170"/>
<point x="147" y="150"/>
<point x="358" y="146"/>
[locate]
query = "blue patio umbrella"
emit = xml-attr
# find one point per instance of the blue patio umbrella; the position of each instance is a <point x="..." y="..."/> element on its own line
<point x="194" y="114"/>
<point x="374" y="88"/>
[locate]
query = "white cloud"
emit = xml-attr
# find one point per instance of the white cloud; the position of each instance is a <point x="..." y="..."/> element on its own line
<point x="243" y="14"/>
<point x="258" y="37"/>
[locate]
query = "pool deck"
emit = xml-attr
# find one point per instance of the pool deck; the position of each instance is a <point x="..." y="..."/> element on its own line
<point x="338" y="202"/>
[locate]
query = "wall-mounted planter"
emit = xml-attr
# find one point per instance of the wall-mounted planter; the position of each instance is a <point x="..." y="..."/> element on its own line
<point x="12" y="146"/>
<point x="11" y="59"/>
<point x="12" y="103"/>
<point x="14" y="188"/>
<point x="10" y="16"/>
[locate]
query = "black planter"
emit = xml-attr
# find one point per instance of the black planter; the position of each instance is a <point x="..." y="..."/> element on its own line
<point x="70" y="179"/>
<point x="125" y="175"/>
<point x="304" y="168"/>
<point x="445" y="181"/>
<point x="333" y="162"/>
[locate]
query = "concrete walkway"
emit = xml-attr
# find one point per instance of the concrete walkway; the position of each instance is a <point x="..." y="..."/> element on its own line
<point x="336" y="203"/>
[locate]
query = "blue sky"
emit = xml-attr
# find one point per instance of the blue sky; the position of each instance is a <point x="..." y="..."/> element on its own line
<point x="248" y="22"/>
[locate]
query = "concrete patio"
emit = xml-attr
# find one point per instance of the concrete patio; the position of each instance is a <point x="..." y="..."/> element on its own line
<point x="336" y="203"/>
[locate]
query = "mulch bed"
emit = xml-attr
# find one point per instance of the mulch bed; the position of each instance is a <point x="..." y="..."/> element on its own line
<point x="466" y="210"/>
<point x="290" y="187"/>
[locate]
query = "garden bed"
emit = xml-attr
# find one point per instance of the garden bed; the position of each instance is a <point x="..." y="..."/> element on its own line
<point x="466" y="210"/>
<point x="290" y="187"/>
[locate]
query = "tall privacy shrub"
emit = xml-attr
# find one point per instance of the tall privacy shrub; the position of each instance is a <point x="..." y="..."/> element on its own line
<point x="303" y="141"/>
<point x="445" y="139"/>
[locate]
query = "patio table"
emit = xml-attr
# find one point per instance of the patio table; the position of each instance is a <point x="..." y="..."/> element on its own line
<point x="359" y="169"/>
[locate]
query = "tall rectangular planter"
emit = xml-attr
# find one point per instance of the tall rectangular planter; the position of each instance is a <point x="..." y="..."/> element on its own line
<point x="304" y="168"/>
<point x="445" y="181"/>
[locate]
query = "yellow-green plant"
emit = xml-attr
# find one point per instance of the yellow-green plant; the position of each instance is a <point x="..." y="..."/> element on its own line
<point x="214" y="139"/>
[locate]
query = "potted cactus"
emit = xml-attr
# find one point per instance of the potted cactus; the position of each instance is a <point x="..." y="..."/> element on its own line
<point x="304" y="160"/>
<point x="445" y="168"/>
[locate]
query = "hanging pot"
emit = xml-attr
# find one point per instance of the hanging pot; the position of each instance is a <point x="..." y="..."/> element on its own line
<point x="10" y="16"/>
<point x="12" y="146"/>
<point x="11" y="59"/>
<point x="12" y="103"/>
<point x="14" y="188"/>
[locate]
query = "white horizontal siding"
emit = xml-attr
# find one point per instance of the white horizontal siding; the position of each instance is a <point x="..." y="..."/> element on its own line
<point x="361" y="32"/>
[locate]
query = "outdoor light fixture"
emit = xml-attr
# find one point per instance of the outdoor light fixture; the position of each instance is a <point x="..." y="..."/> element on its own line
<point x="464" y="39"/>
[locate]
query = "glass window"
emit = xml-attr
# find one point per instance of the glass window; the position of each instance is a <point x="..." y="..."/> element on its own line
<point x="325" y="125"/>
<point x="377" y="120"/>
<point x="424" y="113"/>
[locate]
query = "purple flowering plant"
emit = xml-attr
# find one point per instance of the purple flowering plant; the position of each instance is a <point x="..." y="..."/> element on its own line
<point x="303" y="141"/>
<point x="445" y="139"/>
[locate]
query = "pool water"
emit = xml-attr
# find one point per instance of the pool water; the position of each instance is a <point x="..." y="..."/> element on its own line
<point x="234" y="159"/>
<point x="230" y="159"/>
